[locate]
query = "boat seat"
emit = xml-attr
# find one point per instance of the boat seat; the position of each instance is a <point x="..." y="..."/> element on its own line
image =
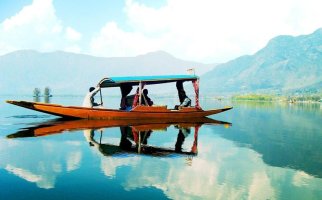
<point x="160" y="106"/>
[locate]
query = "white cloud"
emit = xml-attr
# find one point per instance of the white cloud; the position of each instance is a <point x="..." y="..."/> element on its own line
<point x="38" y="11"/>
<point x="36" y="26"/>
<point x="200" y="30"/>
<point x="112" y="41"/>
<point x="206" y="30"/>
<point x="73" y="35"/>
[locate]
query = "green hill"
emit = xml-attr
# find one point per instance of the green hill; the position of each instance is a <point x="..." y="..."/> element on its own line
<point x="286" y="64"/>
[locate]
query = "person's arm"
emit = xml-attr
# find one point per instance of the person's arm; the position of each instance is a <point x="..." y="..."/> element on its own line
<point x="149" y="101"/>
<point x="93" y="93"/>
<point x="96" y="104"/>
<point x="97" y="88"/>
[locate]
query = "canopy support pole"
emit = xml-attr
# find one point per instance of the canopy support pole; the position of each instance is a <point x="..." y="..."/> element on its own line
<point x="140" y="92"/>
<point x="196" y="87"/>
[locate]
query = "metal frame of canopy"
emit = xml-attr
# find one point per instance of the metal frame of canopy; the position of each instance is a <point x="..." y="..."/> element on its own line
<point x="148" y="80"/>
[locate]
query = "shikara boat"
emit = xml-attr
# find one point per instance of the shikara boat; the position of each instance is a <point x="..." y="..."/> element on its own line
<point x="137" y="111"/>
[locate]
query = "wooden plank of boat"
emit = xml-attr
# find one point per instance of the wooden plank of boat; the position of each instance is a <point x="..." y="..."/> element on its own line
<point x="139" y="112"/>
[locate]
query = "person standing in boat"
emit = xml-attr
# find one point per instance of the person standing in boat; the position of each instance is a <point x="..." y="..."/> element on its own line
<point x="89" y="98"/>
<point x="185" y="101"/>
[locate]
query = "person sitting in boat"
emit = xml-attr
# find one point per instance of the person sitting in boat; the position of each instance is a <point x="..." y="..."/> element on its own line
<point x="145" y="99"/>
<point x="128" y="102"/>
<point x="89" y="98"/>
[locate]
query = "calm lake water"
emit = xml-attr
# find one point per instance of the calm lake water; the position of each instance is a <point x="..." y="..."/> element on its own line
<point x="270" y="151"/>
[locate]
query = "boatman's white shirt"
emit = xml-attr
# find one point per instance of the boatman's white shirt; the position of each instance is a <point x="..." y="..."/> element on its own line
<point x="87" y="100"/>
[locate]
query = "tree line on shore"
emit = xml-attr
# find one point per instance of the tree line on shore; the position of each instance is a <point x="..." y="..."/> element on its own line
<point x="37" y="92"/>
<point x="272" y="97"/>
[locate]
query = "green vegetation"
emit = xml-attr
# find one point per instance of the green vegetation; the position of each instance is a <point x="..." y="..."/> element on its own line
<point x="36" y="92"/>
<point x="270" y="97"/>
<point x="254" y="97"/>
<point x="315" y="98"/>
<point x="47" y="92"/>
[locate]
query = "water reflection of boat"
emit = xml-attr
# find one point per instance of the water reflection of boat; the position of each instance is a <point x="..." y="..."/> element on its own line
<point x="134" y="139"/>
<point x="134" y="134"/>
<point x="59" y="125"/>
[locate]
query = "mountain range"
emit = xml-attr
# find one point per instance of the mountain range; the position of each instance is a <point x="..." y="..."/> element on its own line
<point x="69" y="73"/>
<point x="285" y="64"/>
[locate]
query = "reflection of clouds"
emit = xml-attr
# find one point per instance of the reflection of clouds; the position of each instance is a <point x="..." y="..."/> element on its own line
<point x="110" y="164"/>
<point x="260" y="187"/>
<point x="22" y="173"/>
<point x="88" y="133"/>
<point x="56" y="167"/>
<point x="194" y="180"/>
<point x="220" y="171"/>
<point x="42" y="167"/>
<point x="42" y="181"/>
<point x="302" y="179"/>
<point x="4" y="144"/>
<point x="73" y="160"/>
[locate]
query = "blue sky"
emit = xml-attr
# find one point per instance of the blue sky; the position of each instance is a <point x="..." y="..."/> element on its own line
<point x="200" y="30"/>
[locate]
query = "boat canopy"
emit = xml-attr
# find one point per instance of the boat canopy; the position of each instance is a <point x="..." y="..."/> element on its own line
<point x="126" y="84"/>
<point x="147" y="80"/>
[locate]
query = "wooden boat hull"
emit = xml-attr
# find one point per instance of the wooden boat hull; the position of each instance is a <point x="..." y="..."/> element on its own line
<point x="139" y="112"/>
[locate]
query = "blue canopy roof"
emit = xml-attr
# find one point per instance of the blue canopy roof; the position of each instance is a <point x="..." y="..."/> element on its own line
<point x="148" y="80"/>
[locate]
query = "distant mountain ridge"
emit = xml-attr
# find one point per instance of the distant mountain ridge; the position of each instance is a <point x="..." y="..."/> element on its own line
<point x="70" y="73"/>
<point x="287" y="63"/>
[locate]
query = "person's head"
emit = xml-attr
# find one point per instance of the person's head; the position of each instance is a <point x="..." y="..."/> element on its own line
<point x="91" y="89"/>
<point x="145" y="92"/>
